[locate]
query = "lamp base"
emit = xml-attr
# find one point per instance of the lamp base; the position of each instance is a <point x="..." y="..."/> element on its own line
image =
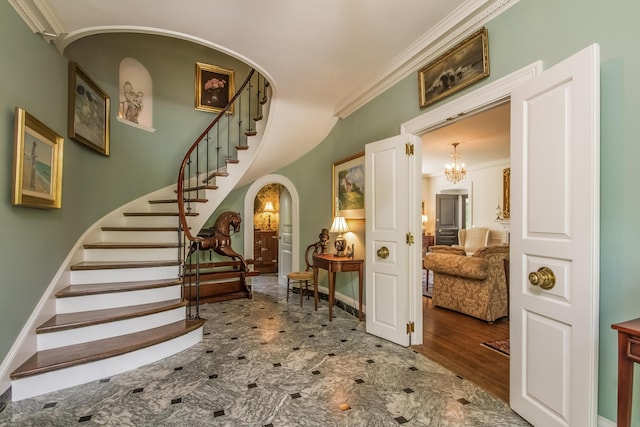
<point x="341" y="246"/>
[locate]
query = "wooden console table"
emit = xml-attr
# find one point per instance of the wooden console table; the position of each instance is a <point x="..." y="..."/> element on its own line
<point x="628" y="353"/>
<point x="334" y="264"/>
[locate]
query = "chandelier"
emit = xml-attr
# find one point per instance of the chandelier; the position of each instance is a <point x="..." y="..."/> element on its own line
<point x="455" y="171"/>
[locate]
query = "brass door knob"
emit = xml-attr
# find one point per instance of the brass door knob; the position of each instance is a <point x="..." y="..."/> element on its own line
<point x="544" y="278"/>
<point x="383" y="252"/>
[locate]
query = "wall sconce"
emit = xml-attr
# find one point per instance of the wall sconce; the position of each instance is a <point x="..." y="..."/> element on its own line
<point x="268" y="209"/>
<point x="340" y="226"/>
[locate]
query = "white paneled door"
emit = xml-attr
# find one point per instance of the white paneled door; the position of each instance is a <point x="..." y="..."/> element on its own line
<point x="393" y="216"/>
<point x="555" y="244"/>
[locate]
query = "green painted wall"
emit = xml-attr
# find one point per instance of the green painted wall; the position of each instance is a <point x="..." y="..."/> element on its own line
<point x="550" y="31"/>
<point x="34" y="76"/>
<point x="531" y="30"/>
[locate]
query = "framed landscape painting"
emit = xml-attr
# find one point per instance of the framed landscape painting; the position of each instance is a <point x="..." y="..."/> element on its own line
<point x="88" y="111"/>
<point x="461" y="66"/>
<point x="348" y="187"/>
<point x="37" y="163"/>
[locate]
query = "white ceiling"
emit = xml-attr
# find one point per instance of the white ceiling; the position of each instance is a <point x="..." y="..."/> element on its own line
<point x="483" y="140"/>
<point x="324" y="59"/>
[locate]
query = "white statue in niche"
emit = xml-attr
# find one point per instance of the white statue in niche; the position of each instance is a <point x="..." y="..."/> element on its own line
<point x="132" y="105"/>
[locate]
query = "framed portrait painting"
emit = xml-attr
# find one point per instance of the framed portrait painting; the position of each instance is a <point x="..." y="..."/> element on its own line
<point x="88" y="111"/>
<point x="37" y="163"/>
<point x="348" y="187"/>
<point x="461" y="66"/>
<point x="215" y="86"/>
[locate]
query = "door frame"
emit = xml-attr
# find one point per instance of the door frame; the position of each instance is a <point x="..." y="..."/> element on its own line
<point x="250" y="196"/>
<point x="488" y="96"/>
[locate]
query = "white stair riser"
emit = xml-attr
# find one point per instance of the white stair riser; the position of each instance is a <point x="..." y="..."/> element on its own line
<point x="140" y="236"/>
<point x="81" y="374"/>
<point x="151" y="221"/>
<point x="67" y="337"/>
<point x="130" y="254"/>
<point x="117" y="299"/>
<point x="166" y="207"/>
<point x="84" y="277"/>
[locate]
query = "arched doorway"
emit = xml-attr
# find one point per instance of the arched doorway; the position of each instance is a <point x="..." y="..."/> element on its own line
<point x="289" y="261"/>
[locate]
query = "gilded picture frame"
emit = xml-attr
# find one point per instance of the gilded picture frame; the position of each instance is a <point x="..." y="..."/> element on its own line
<point x="506" y="193"/>
<point x="464" y="64"/>
<point x="214" y="88"/>
<point x="37" y="163"/>
<point x="88" y="118"/>
<point x="348" y="192"/>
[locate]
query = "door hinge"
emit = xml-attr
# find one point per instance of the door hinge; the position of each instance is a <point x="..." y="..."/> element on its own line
<point x="410" y="240"/>
<point x="411" y="328"/>
<point x="408" y="148"/>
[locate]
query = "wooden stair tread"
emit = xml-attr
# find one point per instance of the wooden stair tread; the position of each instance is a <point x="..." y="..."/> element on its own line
<point x="242" y="147"/>
<point x="107" y="288"/>
<point x="234" y="161"/>
<point x="176" y="229"/>
<point x="61" y="322"/>
<point x="161" y="201"/>
<point x="200" y="187"/>
<point x="130" y="245"/>
<point x="158" y="214"/>
<point x="73" y="355"/>
<point x="113" y="265"/>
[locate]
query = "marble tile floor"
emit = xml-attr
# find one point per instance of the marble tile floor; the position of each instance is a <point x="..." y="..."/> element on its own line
<point x="264" y="362"/>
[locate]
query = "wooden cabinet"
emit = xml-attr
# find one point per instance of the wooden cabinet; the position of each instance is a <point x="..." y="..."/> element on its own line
<point x="265" y="251"/>
<point x="427" y="240"/>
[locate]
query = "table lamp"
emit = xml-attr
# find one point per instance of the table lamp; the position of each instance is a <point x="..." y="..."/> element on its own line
<point x="340" y="226"/>
<point x="269" y="209"/>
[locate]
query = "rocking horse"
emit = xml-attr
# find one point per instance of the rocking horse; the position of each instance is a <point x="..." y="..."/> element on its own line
<point x="220" y="240"/>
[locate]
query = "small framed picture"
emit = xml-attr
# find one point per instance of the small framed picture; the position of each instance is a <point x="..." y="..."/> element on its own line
<point x="88" y="111"/>
<point x="215" y="86"/>
<point x="348" y="187"/>
<point x="37" y="163"/>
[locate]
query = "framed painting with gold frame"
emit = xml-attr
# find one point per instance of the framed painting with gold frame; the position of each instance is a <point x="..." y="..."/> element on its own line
<point x="347" y="196"/>
<point x="454" y="70"/>
<point x="506" y="190"/>
<point x="88" y="111"/>
<point x="215" y="86"/>
<point x="37" y="163"/>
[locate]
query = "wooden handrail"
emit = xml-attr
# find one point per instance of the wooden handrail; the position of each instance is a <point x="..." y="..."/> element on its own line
<point x="181" y="209"/>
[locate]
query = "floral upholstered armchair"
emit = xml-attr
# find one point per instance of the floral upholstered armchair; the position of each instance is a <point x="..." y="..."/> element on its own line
<point x="474" y="285"/>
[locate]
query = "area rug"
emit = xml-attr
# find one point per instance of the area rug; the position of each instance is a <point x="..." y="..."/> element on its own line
<point x="500" y="346"/>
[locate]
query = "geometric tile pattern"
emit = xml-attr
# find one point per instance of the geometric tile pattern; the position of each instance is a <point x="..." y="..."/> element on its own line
<point x="264" y="362"/>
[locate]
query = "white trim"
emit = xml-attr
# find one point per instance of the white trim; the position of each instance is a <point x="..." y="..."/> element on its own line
<point x="467" y="18"/>
<point x="485" y="97"/>
<point x="249" y="197"/>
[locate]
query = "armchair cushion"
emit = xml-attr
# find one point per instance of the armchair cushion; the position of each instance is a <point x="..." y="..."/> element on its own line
<point x="457" y="265"/>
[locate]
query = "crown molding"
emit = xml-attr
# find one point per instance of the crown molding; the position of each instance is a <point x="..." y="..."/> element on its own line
<point x="40" y="17"/>
<point x="467" y="18"/>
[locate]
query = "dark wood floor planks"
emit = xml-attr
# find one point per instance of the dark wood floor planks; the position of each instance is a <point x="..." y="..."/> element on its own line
<point x="454" y="341"/>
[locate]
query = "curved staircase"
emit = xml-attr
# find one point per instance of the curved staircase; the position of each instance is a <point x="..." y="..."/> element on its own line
<point x="118" y="301"/>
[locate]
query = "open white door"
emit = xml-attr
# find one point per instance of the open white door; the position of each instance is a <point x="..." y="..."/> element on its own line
<point x="285" y="238"/>
<point x="555" y="223"/>
<point x="392" y="205"/>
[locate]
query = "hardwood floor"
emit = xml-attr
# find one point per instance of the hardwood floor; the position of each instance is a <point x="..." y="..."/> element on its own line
<point x="454" y="340"/>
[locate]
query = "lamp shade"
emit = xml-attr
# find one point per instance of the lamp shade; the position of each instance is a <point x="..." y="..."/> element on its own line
<point x="339" y="225"/>
<point x="268" y="207"/>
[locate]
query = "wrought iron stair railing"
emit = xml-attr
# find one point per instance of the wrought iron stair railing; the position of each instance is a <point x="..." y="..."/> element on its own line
<point x="208" y="160"/>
